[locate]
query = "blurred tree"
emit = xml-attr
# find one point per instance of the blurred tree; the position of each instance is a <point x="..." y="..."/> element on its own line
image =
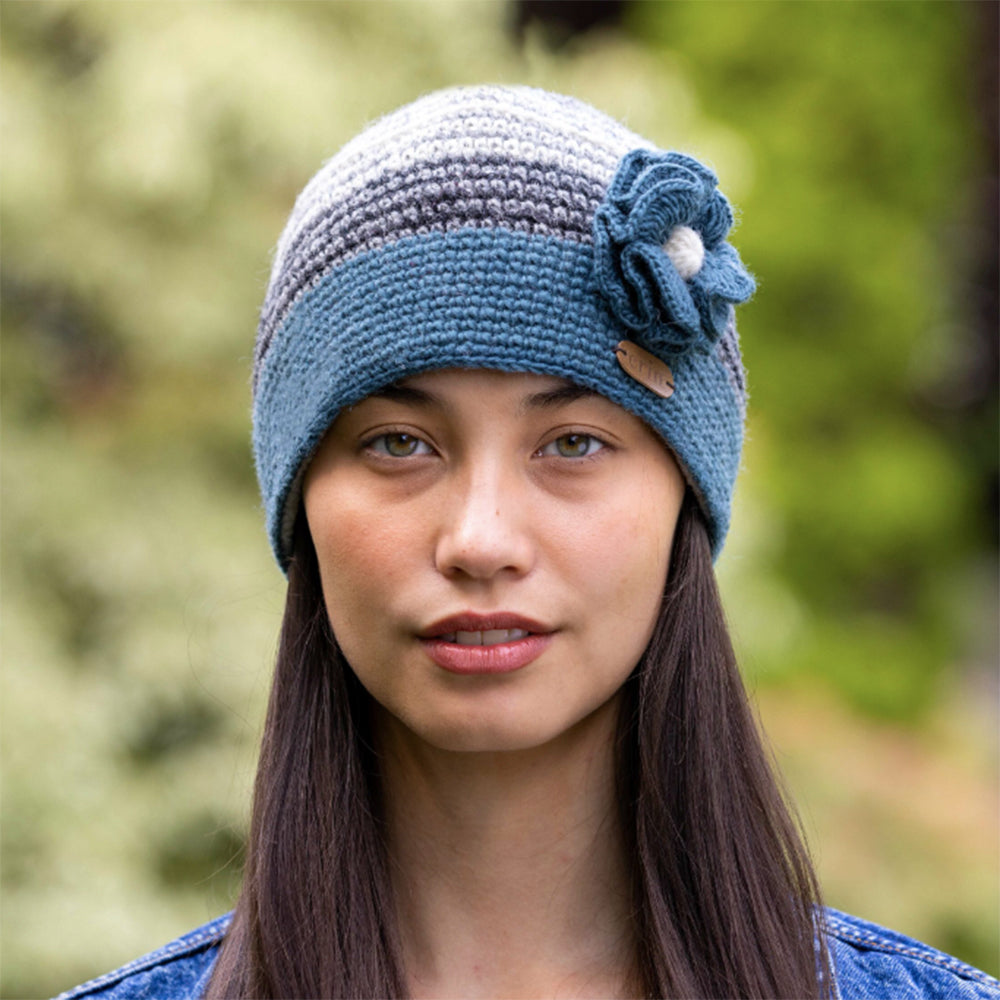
<point x="564" y="20"/>
<point x="873" y="430"/>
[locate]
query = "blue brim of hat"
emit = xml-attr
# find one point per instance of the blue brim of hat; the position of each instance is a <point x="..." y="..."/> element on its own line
<point x="472" y="298"/>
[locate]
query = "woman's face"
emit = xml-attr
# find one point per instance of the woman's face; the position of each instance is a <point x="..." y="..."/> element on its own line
<point x="493" y="549"/>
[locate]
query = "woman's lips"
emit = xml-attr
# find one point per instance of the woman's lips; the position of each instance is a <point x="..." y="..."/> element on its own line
<point x="485" y="644"/>
<point x="499" y="658"/>
<point x="485" y="637"/>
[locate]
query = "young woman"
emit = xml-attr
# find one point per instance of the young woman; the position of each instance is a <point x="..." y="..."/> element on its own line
<point x="498" y="408"/>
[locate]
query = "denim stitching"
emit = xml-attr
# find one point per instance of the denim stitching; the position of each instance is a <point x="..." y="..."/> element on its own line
<point x="845" y="931"/>
<point x="196" y="940"/>
<point x="214" y="932"/>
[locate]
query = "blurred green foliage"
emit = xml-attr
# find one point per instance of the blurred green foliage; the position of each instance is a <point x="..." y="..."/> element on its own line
<point x="862" y="345"/>
<point x="150" y="153"/>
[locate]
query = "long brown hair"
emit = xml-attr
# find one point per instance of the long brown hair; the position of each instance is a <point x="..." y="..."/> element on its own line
<point x="725" y="898"/>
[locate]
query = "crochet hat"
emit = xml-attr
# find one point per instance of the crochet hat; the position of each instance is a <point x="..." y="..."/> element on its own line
<point x="513" y="229"/>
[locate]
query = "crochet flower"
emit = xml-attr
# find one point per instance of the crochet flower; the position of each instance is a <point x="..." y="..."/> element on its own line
<point x="660" y="256"/>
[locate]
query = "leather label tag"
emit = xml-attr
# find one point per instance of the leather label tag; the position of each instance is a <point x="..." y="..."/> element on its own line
<point x="645" y="368"/>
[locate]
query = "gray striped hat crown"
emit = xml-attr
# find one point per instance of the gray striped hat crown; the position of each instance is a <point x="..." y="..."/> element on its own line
<point x="512" y="229"/>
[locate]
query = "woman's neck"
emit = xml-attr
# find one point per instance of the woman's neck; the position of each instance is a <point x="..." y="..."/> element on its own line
<point x="509" y="868"/>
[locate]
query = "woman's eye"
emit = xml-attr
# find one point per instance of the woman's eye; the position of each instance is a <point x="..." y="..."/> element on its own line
<point x="573" y="446"/>
<point x="399" y="445"/>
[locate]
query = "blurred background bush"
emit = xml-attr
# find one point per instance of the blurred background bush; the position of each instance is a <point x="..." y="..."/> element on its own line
<point x="150" y="153"/>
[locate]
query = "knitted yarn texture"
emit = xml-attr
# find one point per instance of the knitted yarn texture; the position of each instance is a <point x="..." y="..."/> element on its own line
<point x="512" y="229"/>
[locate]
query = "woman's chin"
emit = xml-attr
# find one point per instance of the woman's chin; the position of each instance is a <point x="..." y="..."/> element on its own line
<point x="501" y="731"/>
<point x="474" y="736"/>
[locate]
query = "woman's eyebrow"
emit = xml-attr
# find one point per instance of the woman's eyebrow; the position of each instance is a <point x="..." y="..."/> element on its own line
<point x="409" y="395"/>
<point x="568" y="393"/>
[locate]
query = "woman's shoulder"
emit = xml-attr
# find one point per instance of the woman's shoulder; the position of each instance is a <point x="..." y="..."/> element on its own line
<point x="872" y="963"/>
<point x="177" y="971"/>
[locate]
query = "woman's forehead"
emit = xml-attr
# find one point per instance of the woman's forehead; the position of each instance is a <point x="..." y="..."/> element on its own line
<point x="472" y="395"/>
<point x="529" y="390"/>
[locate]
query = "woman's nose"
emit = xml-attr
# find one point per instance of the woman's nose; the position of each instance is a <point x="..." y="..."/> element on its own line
<point x="484" y="531"/>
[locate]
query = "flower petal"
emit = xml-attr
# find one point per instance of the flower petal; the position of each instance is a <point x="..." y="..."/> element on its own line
<point x="651" y="194"/>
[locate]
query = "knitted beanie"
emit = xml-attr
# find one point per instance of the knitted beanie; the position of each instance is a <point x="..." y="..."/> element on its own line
<point x="512" y="229"/>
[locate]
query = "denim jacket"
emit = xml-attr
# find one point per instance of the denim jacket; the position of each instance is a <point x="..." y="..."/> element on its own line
<point x="870" y="963"/>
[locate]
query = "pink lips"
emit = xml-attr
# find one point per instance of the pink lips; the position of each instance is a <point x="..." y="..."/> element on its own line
<point x="442" y="645"/>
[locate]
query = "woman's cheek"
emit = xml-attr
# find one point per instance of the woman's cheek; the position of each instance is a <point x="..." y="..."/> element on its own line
<point x="366" y="556"/>
<point x="633" y="546"/>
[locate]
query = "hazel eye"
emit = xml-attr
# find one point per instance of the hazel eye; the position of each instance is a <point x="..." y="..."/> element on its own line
<point x="573" y="446"/>
<point x="399" y="445"/>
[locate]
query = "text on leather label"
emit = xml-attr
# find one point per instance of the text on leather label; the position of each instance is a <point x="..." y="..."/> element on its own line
<point x="645" y="368"/>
